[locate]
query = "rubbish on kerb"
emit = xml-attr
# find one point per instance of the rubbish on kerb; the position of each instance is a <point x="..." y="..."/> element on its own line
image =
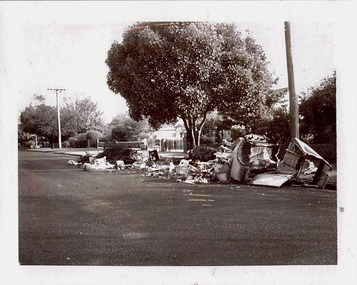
<point x="253" y="154"/>
<point x="120" y="164"/>
<point x="301" y="164"/>
<point x="72" y="162"/>
<point x="251" y="159"/>
<point x="98" y="164"/>
<point x="222" y="172"/>
<point x="224" y="154"/>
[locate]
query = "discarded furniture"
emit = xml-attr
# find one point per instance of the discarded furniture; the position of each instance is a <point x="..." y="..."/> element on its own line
<point x="301" y="164"/>
<point x="253" y="154"/>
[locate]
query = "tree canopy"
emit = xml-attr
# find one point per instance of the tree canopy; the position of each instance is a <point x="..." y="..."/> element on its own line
<point x="124" y="128"/>
<point x="318" y="111"/>
<point x="41" y="119"/>
<point x="82" y="115"/>
<point x="186" y="70"/>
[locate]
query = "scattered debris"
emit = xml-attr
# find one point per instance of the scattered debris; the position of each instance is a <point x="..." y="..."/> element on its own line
<point x="120" y="164"/>
<point x="224" y="154"/>
<point x="298" y="166"/>
<point x="251" y="159"/>
<point x="253" y="154"/>
<point x="98" y="164"/>
<point x="72" y="162"/>
<point x="222" y="172"/>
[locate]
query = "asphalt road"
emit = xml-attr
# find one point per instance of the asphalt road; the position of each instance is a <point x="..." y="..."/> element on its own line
<point x="71" y="217"/>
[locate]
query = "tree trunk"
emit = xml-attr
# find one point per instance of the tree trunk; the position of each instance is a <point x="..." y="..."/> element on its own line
<point x="200" y="132"/>
<point x="194" y="137"/>
<point x="189" y="139"/>
<point x="193" y="133"/>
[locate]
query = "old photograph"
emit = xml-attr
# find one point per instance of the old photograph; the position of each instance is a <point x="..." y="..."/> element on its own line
<point x="191" y="145"/>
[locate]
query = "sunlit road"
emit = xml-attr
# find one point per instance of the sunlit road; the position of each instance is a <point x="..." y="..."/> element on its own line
<point x="71" y="217"/>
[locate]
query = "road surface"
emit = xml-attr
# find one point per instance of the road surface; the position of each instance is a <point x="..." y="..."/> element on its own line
<point x="71" y="217"/>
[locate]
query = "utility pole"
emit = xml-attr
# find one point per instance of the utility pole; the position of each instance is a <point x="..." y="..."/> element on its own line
<point x="293" y="100"/>
<point x="57" y="90"/>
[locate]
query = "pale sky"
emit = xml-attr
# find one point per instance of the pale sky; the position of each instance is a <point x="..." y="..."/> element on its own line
<point x="58" y="49"/>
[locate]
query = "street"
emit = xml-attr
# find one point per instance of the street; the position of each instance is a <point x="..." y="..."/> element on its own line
<point x="71" y="217"/>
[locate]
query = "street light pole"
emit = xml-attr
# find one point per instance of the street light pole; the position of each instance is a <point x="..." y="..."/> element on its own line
<point x="293" y="100"/>
<point x="58" y="114"/>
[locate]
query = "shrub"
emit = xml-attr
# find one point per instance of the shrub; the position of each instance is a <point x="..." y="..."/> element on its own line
<point x="93" y="135"/>
<point x="203" y="153"/>
<point x="28" y="144"/>
<point x="81" y="140"/>
<point x="206" y="140"/>
<point x="115" y="152"/>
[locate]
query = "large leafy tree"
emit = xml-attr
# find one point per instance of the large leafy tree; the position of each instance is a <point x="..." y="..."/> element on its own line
<point x="124" y="128"/>
<point x="318" y="111"/>
<point x="186" y="70"/>
<point x="215" y="127"/>
<point x="82" y="115"/>
<point x="41" y="119"/>
<point x="245" y="96"/>
<point x="277" y="127"/>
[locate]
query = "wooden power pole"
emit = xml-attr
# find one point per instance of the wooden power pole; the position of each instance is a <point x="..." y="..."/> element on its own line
<point x="58" y="114"/>
<point x="293" y="100"/>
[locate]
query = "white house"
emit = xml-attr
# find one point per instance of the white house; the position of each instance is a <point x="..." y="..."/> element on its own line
<point x="170" y="138"/>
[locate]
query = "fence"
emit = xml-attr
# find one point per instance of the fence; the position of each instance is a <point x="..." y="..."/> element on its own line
<point x="130" y="144"/>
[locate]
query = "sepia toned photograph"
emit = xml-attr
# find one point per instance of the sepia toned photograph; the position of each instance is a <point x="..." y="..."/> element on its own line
<point x="177" y="142"/>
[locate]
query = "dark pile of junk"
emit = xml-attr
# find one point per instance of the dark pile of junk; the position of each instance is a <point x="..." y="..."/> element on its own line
<point x="251" y="159"/>
<point x="259" y="165"/>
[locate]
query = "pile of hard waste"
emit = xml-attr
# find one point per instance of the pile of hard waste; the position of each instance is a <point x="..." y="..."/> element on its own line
<point x="250" y="159"/>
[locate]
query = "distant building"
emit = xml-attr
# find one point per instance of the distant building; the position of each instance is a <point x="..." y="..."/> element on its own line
<point x="170" y="138"/>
